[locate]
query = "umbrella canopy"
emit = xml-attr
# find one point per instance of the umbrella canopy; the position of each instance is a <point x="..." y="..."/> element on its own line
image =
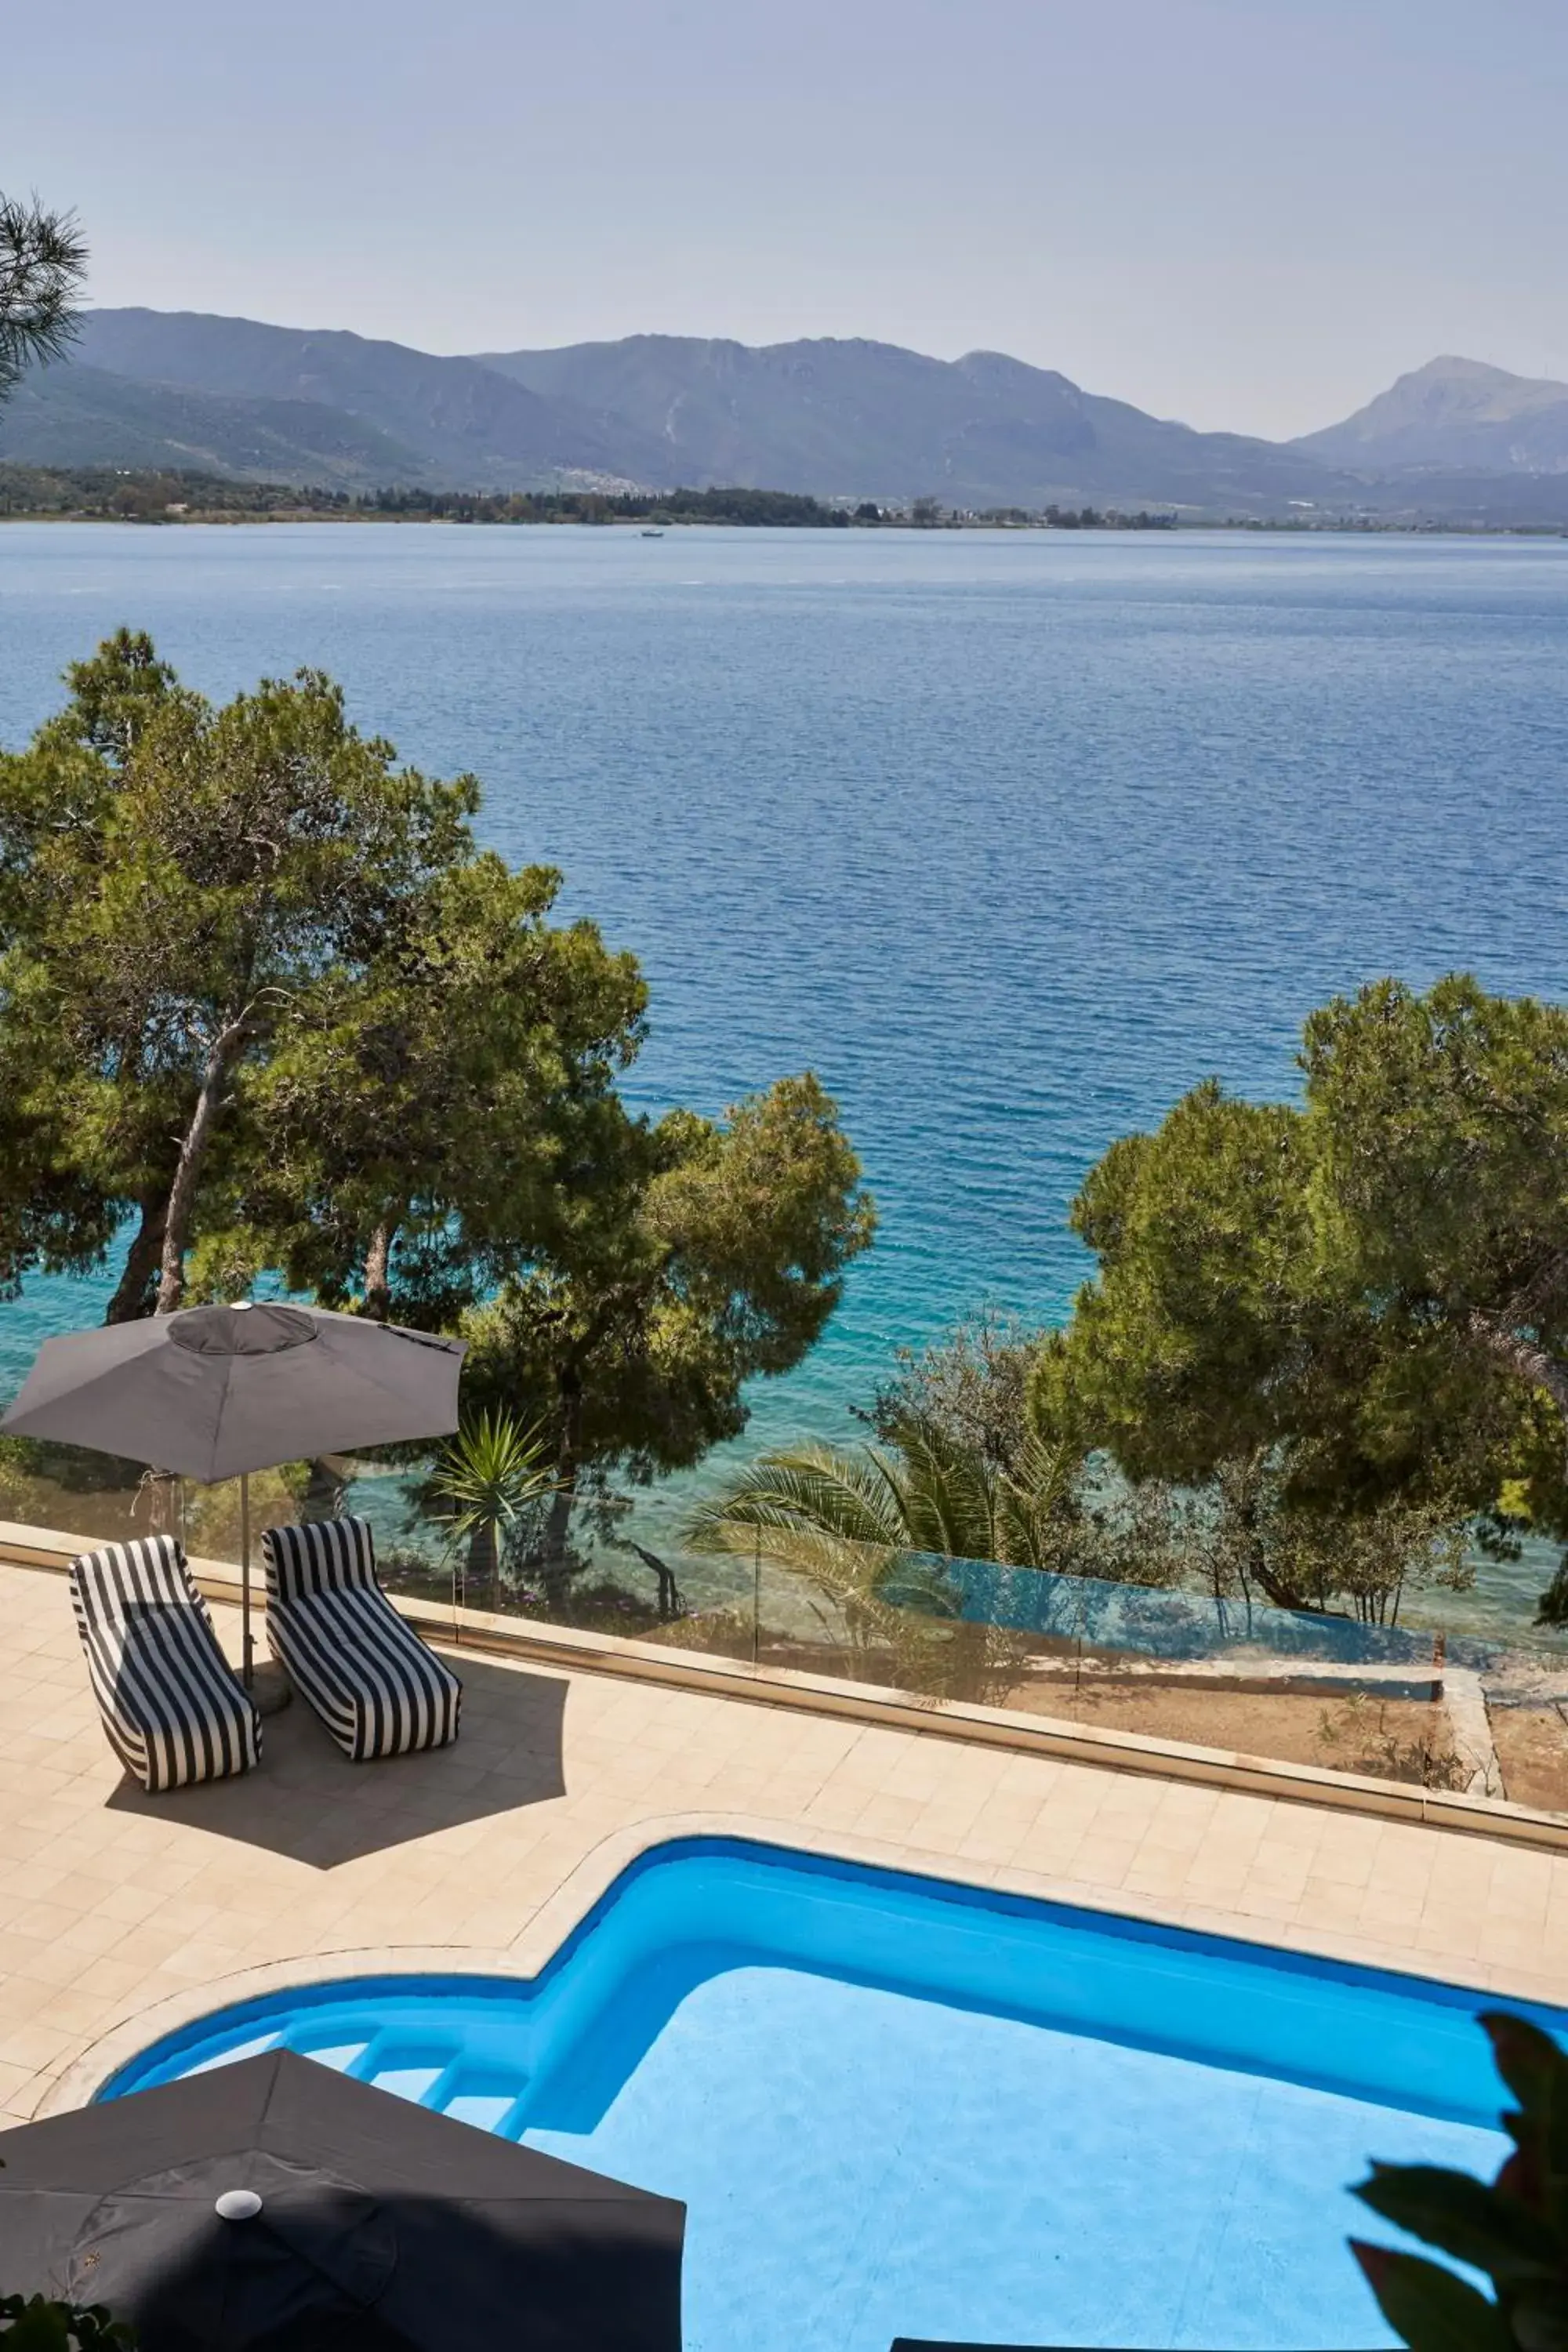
<point x="218" y="1391"/>
<point x="360" y="2224"/>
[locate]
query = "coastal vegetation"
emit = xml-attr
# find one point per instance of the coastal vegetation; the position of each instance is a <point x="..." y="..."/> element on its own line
<point x="848" y="1520"/>
<point x="175" y="495"/>
<point x="1033" y="1496"/>
<point x="1367" y="1291"/>
<point x="787" y="509"/>
<point x="1325" y="1352"/>
<point x="269" y="1013"/>
<point x="114" y="495"/>
<point x="107" y="494"/>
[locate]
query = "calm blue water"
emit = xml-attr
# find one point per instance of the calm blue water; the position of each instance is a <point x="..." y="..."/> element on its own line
<point x="893" y="2108"/>
<point x="1011" y="836"/>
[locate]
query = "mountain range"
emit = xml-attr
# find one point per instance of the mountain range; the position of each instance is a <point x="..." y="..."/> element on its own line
<point x="853" y="419"/>
<point x="843" y="419"/>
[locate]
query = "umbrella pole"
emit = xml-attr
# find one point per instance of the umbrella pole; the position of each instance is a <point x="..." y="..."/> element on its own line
<point x="248" y="1673"/>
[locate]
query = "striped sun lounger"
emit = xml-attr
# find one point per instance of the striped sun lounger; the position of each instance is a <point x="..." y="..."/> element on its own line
<point x="377" y="1688"/>
<point x="172" y="1707"/>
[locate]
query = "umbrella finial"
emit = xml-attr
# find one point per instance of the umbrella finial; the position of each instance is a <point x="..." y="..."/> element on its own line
<point x="238" y="2205"/>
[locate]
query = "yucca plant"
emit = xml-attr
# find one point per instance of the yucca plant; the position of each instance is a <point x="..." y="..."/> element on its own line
<point x="1515" y="2231"/>
<point x="490" y="1475"/>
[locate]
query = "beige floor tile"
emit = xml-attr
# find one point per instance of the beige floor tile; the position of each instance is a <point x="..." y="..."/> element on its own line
<point x="1329" y="1903"/>
<point x="35" y="2046"/>
<point x="12" y="2079"/>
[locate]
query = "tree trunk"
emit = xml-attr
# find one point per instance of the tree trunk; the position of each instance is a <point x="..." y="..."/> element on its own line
<point x="162" y="1489"/>
<point x="182" y="1202"/>
<point x="558" y="1519"/>
<point x="1532" y="1361"/>
<point x="378" y="1271"/>
<point x="133" y="1295"/>
<point x="325" y="1491"/>
<point x="1255" y="1569"/>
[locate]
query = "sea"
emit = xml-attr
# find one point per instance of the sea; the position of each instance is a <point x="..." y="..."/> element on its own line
<point x="1011" y="836"/>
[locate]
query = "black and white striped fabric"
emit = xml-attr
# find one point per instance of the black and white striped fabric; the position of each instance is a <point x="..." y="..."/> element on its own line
<point x="377" y="1688"/>
<point x="172" y="1707"/>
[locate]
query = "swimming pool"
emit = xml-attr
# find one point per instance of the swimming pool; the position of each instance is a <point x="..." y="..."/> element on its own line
<point x="895" y="2105"/>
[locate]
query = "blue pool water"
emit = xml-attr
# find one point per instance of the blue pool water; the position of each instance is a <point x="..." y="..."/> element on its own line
<point x="1013" y="837"/>
<point x="894" y="2105"/>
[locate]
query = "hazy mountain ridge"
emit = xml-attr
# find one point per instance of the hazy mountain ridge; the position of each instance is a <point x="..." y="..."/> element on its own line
<point x="839" y="419"/>
<point x="1456" y="415"/>
<point x="458" y="424"/>
<point x="863" y="419"/>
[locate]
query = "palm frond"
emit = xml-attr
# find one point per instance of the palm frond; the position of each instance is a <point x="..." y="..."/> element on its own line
<point x="809" y="1488"/>
<point x="1034" y="1506"/>
<point x="951" y="1496"/>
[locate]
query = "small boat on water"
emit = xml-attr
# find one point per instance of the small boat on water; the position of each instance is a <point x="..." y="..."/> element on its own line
<point x="653" y="534"/>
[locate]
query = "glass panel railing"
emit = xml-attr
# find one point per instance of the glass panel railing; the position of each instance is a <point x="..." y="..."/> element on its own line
<point x="1430" y="1705"/>
<point x="70" y="1491"/>
<point x="1414" y="1705"/>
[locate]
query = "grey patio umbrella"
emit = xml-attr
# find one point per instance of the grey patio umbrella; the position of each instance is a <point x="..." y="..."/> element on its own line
<point x="276" y="2206"/>
<point x="217" y="1392"/>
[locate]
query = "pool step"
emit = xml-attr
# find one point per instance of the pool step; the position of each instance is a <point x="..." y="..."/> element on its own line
<point x="341" y="2043"/>
<point x="251" y="2049"/>
<point x="410" y="2079"/>
<point x="341" y="2056"/>
<point x="491" y="2097"/>
<point x="431" y="2074"/>
<point x="434" y="2074"/>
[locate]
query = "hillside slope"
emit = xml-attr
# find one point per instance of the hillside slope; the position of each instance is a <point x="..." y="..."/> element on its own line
<point x="1454" y="414"/>
<point x="464" y="424"/>
<point x="72" y="416"/>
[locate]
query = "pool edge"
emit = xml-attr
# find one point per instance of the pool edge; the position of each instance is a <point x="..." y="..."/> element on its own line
<point x="548" y="1935"/>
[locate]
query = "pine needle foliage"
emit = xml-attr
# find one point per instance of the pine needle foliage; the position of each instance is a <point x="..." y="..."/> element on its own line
<point x="43" y="262"/>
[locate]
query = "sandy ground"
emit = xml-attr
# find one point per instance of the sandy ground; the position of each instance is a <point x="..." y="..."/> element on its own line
<point x="1382" y="1736"/>
<point x="1286" y="1726"/>
<point x="1532" y="1743"/>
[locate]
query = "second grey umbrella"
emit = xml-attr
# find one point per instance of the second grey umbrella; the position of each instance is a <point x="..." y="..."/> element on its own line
<point x="274" y="2205"/>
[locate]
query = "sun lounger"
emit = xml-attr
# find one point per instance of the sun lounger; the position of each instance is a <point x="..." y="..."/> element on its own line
<point x="172" y="1707"/>
<point x="377" y="1688"/>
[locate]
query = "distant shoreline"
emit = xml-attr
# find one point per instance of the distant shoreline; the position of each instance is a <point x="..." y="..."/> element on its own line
<point x="1104" y="527"/>
<point x="163" y="498"/>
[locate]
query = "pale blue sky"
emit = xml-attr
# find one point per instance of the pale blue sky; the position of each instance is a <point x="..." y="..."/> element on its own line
<point x="1245" y="213"/>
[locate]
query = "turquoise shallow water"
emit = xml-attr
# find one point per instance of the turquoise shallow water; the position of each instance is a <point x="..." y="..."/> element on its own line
<point x="1011" y="836"/>
<point x="894" y="2106"/>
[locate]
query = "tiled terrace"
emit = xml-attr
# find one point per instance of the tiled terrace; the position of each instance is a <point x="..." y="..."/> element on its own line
<point x="123" y="1914"/>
